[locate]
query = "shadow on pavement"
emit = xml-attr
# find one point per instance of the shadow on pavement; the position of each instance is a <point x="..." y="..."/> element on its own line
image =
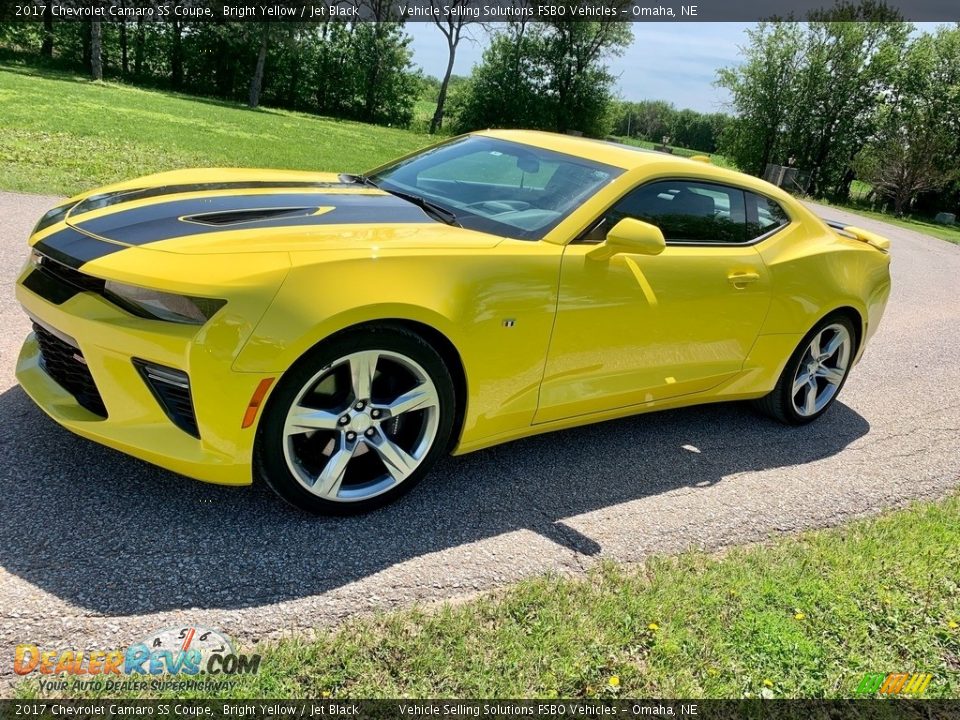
<point x="115" y="535"/>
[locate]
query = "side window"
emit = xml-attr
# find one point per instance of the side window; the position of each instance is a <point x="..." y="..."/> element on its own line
<point x="686" y="211"/>
<point x="763" y="216"/>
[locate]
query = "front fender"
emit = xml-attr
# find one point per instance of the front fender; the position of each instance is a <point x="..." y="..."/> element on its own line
<point x="495" y="307"/>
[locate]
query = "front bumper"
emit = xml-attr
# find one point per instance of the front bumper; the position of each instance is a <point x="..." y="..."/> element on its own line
<point x="136" y="424"/>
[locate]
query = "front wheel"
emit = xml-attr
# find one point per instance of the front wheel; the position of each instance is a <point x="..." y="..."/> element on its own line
<point x="356" y="422"/>
<point x="814" y="374"/>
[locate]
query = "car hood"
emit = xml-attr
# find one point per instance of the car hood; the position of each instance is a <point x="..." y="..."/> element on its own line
<point x="230" y="211"/>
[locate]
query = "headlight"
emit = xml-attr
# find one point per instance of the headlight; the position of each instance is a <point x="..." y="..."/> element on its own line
<point x="34" y="260"/>
<point x="162" y="306"/>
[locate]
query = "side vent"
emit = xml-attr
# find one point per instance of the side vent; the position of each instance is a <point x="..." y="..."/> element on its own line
<point x="171" y="388"/>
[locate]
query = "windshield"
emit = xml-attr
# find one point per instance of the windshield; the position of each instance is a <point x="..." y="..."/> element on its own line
<point x="500" y="187"/>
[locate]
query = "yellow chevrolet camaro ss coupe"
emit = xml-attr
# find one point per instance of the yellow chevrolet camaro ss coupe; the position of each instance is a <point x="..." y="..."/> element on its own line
<point x="335" y="334"/>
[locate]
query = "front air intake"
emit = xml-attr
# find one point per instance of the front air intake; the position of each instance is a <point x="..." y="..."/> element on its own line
<point x="64" y="362"/>
<point x="171" y="388"/>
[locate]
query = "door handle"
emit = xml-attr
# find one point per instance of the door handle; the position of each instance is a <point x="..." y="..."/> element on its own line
<point x="741" y="279"/>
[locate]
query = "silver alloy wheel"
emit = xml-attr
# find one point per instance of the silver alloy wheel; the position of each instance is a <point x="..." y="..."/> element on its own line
<point x="822" y="368"/>
<point x="361" y="425"/>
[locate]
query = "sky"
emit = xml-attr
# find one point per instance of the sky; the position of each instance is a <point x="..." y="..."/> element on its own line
<point x="666" y="61"/>
<point x="676" y="62"/>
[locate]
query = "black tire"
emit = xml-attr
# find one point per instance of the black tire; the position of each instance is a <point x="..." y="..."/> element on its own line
<point x="778" y="404"/>
<point x="269" y="461"/>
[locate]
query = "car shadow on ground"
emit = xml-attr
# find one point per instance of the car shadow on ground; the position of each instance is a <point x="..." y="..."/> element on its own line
<point x="117" y="536"/>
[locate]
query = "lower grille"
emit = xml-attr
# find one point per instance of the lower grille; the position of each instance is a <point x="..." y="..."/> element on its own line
<point x="171" y="388"/>
<point x="65" y="364"/>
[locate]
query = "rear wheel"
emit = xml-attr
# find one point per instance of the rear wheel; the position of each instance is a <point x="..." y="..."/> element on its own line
<point x="814" y="375"/>
<point x="357" y="422"/>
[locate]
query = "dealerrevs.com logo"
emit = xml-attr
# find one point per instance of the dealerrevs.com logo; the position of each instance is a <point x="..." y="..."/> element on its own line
<point x="179" y="655"/>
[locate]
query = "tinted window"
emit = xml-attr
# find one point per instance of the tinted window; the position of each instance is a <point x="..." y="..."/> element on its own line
<point x="686" y="211"/>
<point x="763" y="215"/>
<point x="493" y="167"/>
<point x="496" y="186"/>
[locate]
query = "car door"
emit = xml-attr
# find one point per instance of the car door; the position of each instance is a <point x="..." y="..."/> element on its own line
<point x="631" y="329"/>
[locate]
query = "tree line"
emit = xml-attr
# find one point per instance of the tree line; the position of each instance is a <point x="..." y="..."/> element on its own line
<point x="550" y="76"/>
<point x="361" y="71"/>
<point x="853" y="94"/>
<point x="655" y="120"/>
<point x="856" y="94"/>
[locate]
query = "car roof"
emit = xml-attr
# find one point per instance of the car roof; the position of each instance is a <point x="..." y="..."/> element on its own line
<point x="630" y="157"/>
<point x="609" y="153"/>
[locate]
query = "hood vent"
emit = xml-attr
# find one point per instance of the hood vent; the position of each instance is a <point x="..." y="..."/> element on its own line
<point x="239" y="217"/>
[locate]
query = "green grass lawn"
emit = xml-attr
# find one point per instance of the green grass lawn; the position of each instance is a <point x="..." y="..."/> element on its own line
<point x="802" y="617"/>
<point x="60" y="134"/>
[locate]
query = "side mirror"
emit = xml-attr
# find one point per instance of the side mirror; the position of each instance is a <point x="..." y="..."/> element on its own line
<point x="631" y="237"/>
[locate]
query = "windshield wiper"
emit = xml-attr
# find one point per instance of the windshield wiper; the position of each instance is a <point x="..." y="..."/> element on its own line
<point x="359" y="179"/>
<point x="438" y="211"/>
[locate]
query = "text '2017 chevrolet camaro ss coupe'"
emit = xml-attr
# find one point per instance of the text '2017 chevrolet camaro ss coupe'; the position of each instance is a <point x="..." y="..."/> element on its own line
<point x="333" y="335"/>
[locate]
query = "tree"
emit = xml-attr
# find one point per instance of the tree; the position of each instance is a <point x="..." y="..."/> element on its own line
<point x="762" y="89"/>
<point x="139" y="40"/>
<point x="698" y="131"/>
<point x="812" y="92"/>
<point x="176" y="54"/>
<point x="46" y="48"/>
<point x="124" y="49"/>
<point x="913" y="149"/>
<point x="851" y="55"/>
<point x="451" y="25"/>
<point x="654" y="119"/>
<point x="903" y="164"/>
<point x="96" y="50"/>
<point x="547" y="76"/>
<point x="946" y="77"/>
<point x="578" y="82"/>
<point x="647" y="119"/>
<point x="505" y="89"/>
<point x="256" y="82"/>
<point x="390" y="84"/>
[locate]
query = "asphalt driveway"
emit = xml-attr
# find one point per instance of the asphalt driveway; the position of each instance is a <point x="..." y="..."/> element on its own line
<point x="98" y="549"/>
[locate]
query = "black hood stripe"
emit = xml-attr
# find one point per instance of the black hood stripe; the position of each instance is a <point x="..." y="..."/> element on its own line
<point x="96" y="202"/>
<point x="163" y="220"/>
<point x="73" y="248"/>
<point x="52" y="217"/>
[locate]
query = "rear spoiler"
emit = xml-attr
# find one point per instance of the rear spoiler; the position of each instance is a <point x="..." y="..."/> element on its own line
<point x="855" y="233"/>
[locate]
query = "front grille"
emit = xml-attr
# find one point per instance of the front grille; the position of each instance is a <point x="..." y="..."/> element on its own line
<point x="65" y="364"/>
<point x="171" y="388"/>
<point x="70" y="276"/>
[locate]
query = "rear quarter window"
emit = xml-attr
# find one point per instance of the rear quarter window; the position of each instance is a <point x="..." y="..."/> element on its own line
<point x="764" y="216"/>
